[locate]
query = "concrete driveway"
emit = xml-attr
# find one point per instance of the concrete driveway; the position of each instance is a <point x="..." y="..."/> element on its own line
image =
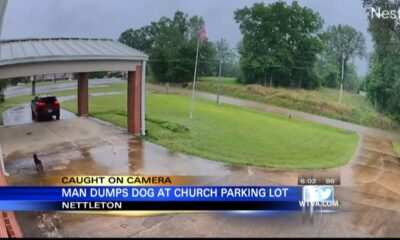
<point x="369" y="195"/>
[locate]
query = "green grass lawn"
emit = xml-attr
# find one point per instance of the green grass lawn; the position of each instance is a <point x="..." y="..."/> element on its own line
<point x="354" y="108"/>
<point x="232" y="134"/>
<point x="214" y="80"/>
<point x="396" y="146"/>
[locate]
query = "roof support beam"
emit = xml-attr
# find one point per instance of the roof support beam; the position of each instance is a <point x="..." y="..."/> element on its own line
<point x="39" y="68"/>
<point x="83" y="94"/>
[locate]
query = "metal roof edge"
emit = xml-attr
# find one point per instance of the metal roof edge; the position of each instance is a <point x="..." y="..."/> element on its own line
<point x="53" y="38"/>
<point x="130" y="54"/>
<point x="72" y="58"/>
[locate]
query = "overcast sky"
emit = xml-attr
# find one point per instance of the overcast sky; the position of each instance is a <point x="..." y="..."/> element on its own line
<point x="108" y="18"/>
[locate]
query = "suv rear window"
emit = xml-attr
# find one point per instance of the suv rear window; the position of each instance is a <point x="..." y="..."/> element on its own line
<point x="48" y="100"/>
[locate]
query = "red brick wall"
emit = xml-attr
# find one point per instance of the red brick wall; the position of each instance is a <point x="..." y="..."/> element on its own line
<point x="9" y="226"/>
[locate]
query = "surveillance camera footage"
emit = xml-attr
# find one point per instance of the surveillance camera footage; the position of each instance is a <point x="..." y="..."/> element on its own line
<point x="200" y="119"/>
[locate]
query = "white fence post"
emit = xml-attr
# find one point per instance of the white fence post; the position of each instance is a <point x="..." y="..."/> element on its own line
<point x="2" y="164"/>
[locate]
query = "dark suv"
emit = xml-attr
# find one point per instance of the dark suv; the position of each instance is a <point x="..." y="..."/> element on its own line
<point x="45" y="107"/>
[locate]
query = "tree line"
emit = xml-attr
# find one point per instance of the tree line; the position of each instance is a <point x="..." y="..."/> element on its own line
<point x="383" y="79"/>
<point x="283" y="45"/>
<point x="171" y="46"/>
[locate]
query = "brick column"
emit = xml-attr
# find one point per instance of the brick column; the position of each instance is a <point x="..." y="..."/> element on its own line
<point x="134" y="100"/>
<point x="83" y="94"/>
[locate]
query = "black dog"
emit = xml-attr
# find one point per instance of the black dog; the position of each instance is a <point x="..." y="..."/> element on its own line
<point x="38" y="163"/>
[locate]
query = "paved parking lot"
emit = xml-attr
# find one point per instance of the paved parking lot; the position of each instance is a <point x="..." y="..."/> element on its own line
<point x="370" y="201"/>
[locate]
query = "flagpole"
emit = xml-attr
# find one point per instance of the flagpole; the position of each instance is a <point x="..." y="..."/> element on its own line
<point x="194" y="78"/>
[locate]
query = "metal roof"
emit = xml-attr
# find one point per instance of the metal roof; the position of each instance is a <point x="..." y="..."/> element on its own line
<point x="65" y="49"/>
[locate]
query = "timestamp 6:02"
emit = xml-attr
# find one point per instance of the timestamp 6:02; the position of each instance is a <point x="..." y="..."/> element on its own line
<point x="308" y="181"/>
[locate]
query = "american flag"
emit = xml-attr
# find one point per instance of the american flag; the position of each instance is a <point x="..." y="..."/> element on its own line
<point x="202" y="33"/>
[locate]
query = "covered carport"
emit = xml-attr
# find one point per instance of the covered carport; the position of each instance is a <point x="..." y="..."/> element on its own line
<point x="29" y="57"/>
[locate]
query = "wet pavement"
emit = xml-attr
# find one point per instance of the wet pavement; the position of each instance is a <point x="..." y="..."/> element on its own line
<point x="369" y="195"/>
<point x="21" y="114"/>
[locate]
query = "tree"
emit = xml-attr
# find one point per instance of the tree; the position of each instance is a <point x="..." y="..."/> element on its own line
<point x="344" y="44"/>
<point x="328" y="71"/>
<point x="280" y="44"/>
<point x="383" y="79"/>
<point x="97" y="75"/>
<point x="171" y="46"/>
<point x="353" y="80"/>
<point x="141" y="39"/>
<point x="224" y="54"/>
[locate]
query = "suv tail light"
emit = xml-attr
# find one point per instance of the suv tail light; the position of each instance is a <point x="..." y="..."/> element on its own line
<point x="41" y="104"/>
<point x="57" y="103"/>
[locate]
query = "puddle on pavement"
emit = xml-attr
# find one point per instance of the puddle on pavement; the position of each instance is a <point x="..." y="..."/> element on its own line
<point x="123" y="157"/>
<point x="22" y="115"/>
